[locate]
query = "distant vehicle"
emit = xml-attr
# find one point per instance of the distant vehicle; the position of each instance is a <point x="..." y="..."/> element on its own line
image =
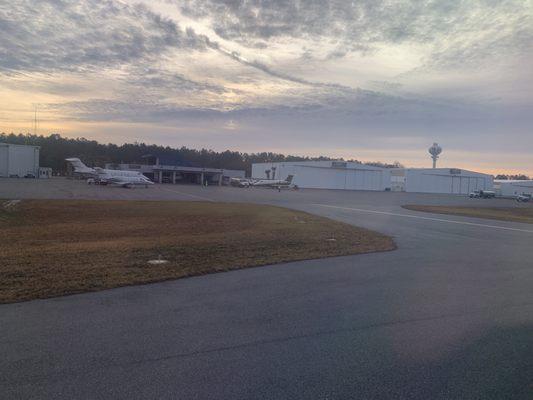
<point x="487" y="194"/>
<point x="523" y="198"/>
<point x="482" y="194"/>
<point x="29" y="175"/>
<point x="14" y="176"/>
<point x="103" y="176"/>
<point x="274" y="183"/>
<point x="240" y="182"/>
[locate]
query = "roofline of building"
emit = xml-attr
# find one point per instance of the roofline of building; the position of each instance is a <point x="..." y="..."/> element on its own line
<point x="440" y="169"/>
<point x="513" y="180"/>
<point x="180" y="168"/>
<point x="309" y="164"/>
<point x="19" y="145"/>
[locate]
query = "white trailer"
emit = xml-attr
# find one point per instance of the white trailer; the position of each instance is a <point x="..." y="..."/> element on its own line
<point x="513" y="188"/>
<point x="326" y="174"/>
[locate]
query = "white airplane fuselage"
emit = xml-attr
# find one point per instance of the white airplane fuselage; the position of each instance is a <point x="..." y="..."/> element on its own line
<point x="270" y="182"/>
<point x="122" y="178"/>
<point x="273" y="182"/>
<point x="110" y="176"/>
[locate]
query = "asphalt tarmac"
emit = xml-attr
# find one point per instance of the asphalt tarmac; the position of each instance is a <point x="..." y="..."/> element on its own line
<point x="449" y="315"/>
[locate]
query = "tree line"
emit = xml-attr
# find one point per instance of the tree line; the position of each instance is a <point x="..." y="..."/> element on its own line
<point x="55" y="148"/>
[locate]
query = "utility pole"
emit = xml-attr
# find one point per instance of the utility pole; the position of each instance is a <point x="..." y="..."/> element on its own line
<point x="35" y="120"/>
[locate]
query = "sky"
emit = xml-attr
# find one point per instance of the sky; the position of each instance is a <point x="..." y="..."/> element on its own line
<point x="368" y="80"/>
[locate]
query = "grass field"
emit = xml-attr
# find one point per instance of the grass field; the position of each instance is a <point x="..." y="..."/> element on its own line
<point x="514" y="214"/>
<point x="57" y="247"/>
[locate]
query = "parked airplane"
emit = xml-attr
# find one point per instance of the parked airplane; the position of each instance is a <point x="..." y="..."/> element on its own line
<point x="274" y="183"/>
<point x="110" y="176"/>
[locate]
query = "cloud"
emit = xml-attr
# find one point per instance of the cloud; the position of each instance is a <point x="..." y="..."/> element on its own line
<point x="274" y="73"/>
<point x="325" y="106"/>
<point x="450" y="29"/>
<point x="161" y="80"/>
<point x="498" y="45"/>
<point x="55" y="35"/>
<point x="132" y="110"/>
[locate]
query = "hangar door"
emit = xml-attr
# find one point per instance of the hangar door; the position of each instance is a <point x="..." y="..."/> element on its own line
<point x="360" y="179"/>
<point x="431" y="183"/>
<point x="466" y="184"/>
<point x="456" y="184"/>
<point x="337" y="178"/>
<point x="319" y="178"/>
<point x="452" y="184"/>
<point x="469" y="184"/>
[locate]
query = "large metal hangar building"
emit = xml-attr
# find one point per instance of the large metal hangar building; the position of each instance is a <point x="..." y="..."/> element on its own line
<point x="355" y="176"/>
<point x="326" y="174"/>
<point x="439" y="180"/>
<point x="18" y="160"/>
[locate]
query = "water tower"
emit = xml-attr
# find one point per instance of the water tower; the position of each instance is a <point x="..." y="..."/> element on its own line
<point x="435" y="150"/>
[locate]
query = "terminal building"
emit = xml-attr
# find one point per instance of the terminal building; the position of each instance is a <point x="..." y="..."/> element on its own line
<point x="18" y="161"/>
<point x="162" y="170"/>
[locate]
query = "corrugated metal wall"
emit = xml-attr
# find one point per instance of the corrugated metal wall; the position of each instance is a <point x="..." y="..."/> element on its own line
<point x="4" y="158"/>
<point x="442" y="181"/>
<point x="516" y="188"/>
<point x="19" y="160"/>
<point x="317" y="175"/>
<point x="321" y="175"/>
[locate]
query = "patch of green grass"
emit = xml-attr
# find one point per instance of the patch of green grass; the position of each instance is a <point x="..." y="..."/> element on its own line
<point x="58" y="247"/>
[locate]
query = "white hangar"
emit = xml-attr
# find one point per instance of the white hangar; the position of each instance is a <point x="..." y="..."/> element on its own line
<point x="326" y="174"/>
<point x="18" y="160"/>
<point x="439" y="180"/>
<point x="355" y="176"/>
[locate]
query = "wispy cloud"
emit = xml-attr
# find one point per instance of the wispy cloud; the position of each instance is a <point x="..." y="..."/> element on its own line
<point x="55" y="35"/>
<point x="369" y="24"/>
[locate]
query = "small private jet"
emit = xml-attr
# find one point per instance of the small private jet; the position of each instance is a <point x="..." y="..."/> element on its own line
<point x="269" y="183"/>
<point x="127" y="179"/>
<point x="274" y="183"/>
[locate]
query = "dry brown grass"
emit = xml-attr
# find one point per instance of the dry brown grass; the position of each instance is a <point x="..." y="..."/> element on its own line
<point x="53" y="248"/>
<point x="514" y="214"/>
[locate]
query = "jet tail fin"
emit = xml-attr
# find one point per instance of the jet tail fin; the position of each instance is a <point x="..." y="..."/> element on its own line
<point x="289" y="179"/>
<point x="79" y="166"/>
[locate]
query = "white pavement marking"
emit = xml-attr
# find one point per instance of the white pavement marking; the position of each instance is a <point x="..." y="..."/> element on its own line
<point x="426" y="218"/>
<point x="187" y="194"/>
